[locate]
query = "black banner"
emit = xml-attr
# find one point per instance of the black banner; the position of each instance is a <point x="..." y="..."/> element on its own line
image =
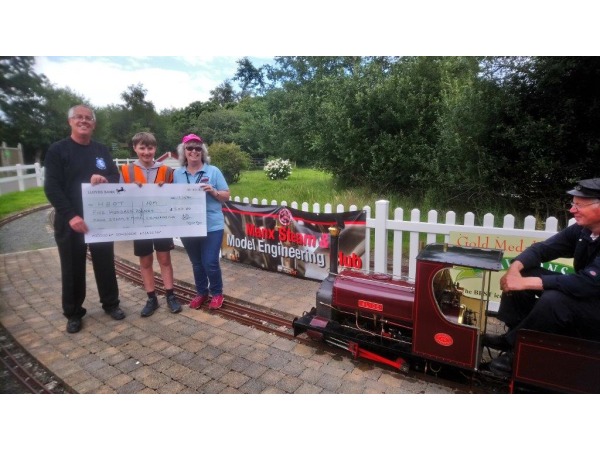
<point x="291" y="241"/>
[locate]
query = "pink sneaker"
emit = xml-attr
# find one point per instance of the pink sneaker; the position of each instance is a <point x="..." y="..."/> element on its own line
<point x="198" y="300"/>
<point x="216" y="302"/>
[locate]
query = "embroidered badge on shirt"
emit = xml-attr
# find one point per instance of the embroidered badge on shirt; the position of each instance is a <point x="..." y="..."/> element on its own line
<point x="100" y="164"/>
<point x="592" y="273"/>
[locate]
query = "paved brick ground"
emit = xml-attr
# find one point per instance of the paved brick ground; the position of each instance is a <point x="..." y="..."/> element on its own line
<point x="195" y="351"/>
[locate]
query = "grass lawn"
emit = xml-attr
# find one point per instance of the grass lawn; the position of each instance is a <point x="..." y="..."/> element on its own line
<point x="14" y="202"/>
<point x="311" y="186"/>
<point x="304" y="185"/>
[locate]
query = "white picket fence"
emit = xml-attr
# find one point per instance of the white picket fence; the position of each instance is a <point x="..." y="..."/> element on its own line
<point x="21" y="177"/>
<point x="380" y="225"/>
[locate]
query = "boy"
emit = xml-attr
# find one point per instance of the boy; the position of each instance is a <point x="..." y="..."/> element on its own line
<point x="146" y="170"/>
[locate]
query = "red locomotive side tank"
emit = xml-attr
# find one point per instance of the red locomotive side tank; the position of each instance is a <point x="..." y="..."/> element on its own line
<point x="377" y="294"/>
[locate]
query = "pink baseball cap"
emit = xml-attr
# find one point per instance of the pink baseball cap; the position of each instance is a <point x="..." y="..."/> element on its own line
<point x="191" y="137"/>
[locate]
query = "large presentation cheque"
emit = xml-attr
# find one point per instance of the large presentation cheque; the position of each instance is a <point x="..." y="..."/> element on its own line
<point x="123" y="212"/>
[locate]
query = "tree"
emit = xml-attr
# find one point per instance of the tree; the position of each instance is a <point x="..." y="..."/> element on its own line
<point x="369" y="121"/>
<point x="460" y="165"/>
<point x="57" y="103"/>
<point x="219" y="125"/>
<point x="292" y="108"/>
<point x="135" y="99"/>
<point x="179" y="122"/>
<point x="33" y="112"/>
<point x="120" y="122"/>
<point x="467" y="133"/>
<point x="250" y="78"/>
<point x="255" y="130"/>
<point x="21" y="104"/>
<point x="547" y="135"/>
<point x="224" y="94"/>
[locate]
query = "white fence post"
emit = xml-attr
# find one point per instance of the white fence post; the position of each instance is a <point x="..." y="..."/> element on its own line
<point x="380" y="255"/>
<point x="398" y="243"/>
<point x="509" y="222"/>
<point x="432" y="217"/>
<point x="415" y="217"/>
<point x="367" y="257"/>
<point x="450" y="220"/>
<point x="20" y="178"/>
<point x="39" y="175"/>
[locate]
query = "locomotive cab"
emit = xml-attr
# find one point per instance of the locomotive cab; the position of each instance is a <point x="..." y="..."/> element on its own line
<point x="448" y="322"/>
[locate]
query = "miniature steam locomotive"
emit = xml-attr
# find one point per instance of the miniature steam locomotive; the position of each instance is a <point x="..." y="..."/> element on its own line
<point x="432" y="321"/>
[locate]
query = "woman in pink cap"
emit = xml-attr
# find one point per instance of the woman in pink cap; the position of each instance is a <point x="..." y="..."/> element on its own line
<point x="203" y="251"/>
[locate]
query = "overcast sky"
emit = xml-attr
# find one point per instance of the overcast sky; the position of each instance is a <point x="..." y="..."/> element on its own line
<point x="171" y="82"/>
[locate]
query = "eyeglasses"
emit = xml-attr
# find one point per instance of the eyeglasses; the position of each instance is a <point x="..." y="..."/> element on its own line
<point x="579" y="206"/>
<point x="82" y="117"/>
<point x="194" y="149"/>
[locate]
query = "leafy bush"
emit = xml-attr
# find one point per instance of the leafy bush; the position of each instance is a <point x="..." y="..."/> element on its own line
<point x="230" y="159"/>
<point x="278" y="169"/>
<point x="123" y="153"/>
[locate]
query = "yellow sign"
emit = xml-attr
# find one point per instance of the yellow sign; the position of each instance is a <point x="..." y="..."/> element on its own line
<point x="470" y="279"/>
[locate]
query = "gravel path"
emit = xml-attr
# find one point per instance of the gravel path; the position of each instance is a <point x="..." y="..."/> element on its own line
<point x="31" y="232"/>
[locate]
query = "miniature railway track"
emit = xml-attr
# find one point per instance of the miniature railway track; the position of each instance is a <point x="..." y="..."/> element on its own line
<point x="39" y="380"/>
<point x="250" y="316"/>
<point x="20" y="373"/>
<point x="21" y="214"/>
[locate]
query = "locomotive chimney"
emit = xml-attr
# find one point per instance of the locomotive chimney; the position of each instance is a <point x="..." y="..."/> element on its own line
<point x="334" y="232"/>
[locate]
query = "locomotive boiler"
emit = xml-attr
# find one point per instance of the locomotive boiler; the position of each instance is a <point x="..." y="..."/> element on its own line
<point x="407" y="324"/>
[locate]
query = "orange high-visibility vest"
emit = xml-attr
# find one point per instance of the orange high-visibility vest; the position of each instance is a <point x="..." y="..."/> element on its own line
<point x="133" y="173"/>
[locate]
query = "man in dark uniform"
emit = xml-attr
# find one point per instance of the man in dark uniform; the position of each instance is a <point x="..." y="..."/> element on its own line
<point x="538" y="299"/>
<point x="69" y="163"/>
